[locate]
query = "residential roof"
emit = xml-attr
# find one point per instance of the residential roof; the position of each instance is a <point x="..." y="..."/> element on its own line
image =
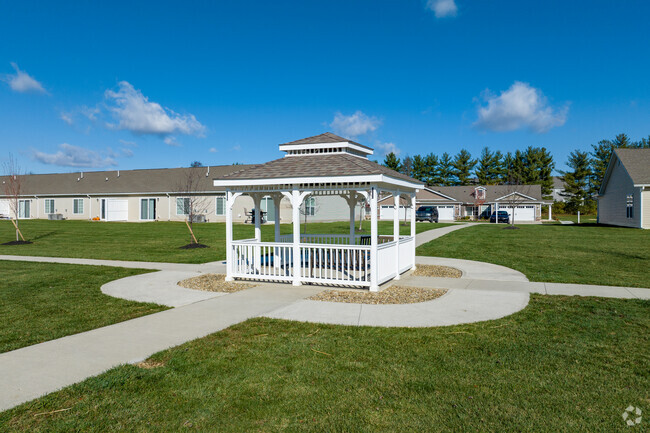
<point x="636" y="163"/>
<point x="326" y="137"/>
<point x="164" y="180"/>
<point x="317" y="165"/>
<point x="465" y="194"/>
<point x="558" y="183"/>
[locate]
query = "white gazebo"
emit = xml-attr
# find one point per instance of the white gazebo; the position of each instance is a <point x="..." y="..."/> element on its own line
<point x="325" y="164"/>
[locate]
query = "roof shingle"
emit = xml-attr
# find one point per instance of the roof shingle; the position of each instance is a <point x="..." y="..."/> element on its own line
<point x="637" y="164"/>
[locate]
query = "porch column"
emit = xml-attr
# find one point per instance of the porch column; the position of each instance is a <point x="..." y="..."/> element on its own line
<point x="396" y="197"/>
<point x="374" y="272"/>
<point x="352" y="204"/>
<point x="413" y="231"/>
<point x="550" y="217"/>
<point x="296" y="200"/>
<point x="257" y="200"/>
<point x="496" y="217"/>
<point x="277" y="199"/>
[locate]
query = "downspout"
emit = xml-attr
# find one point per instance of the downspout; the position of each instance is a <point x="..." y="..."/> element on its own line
<point x="640" y="207"/>
<point x="90" y="207"/>
<point x="169" y="207"/>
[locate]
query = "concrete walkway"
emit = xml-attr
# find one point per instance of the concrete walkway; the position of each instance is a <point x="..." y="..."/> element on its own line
<point x="36" y="370"/>
<point x="474" y="269"/>
<point x="429" y="235"/>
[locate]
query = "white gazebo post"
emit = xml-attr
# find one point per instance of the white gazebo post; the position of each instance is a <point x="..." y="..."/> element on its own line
<point x="396" y="197"/>
<point x="352" y="201"/>
<point x="257" y="202"/>
<point x="374" y="271"/>
<point x="550" y="206"/>
<point x="413" y="231"/>
<point x="230" y="201"/>
<point x="496" y="213"/>
<point x="277" y="199"/>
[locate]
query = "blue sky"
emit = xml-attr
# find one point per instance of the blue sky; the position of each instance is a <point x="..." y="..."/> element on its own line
<point x="87" y="86"/>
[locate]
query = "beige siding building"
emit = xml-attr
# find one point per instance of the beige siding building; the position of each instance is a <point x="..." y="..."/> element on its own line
<point x="147" y="195"/>
<point x="624" y="197"/>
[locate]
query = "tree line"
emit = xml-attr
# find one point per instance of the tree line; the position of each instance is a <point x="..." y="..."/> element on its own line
<point x="531" y="166"/>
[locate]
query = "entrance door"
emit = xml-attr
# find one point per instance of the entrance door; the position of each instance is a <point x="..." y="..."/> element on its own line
<point x="268" y="206"/>
<point x="148" y="209"/>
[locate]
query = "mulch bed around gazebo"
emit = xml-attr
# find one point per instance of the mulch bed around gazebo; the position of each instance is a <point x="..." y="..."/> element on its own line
<point x="391" y="295"/>
<point x="213" y="283"/>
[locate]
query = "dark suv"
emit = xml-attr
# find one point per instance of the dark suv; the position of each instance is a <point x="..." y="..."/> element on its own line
<point x="503" y="217"/>
<point x="427" y="213"/>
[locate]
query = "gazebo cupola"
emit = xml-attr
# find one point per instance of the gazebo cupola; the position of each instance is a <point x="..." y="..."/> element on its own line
<point x="326" y="164"/>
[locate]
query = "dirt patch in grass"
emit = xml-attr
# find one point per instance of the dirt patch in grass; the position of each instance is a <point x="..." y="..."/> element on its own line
<point x="213" y="283"/>
<point x="391" y="295"/>
<point x="149" y="364"/>
<point x="17" y="243"/>
<point x="436" y="271"/>
<point x="193" y="246"/>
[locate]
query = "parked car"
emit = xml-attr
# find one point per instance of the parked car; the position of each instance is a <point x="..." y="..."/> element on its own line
<point x="427" y="213"/>
<point x="503" y="217"/>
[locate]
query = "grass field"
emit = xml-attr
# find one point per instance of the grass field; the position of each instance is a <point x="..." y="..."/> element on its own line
<point x="44" y="301"/>
<point x="562" y="364"/>
<point x="155" y="242"/>
<point x="583" y="254"/>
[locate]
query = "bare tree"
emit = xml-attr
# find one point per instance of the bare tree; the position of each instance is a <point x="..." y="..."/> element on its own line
<point x="309" y="210"/>
<point x="515" y="195"/>
<point x="13" y="190"/>
<point x="190" y="195"/>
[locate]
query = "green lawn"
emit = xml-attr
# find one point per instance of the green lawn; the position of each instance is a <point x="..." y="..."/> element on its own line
<point x="44" y="301"/>
<point x="583" y="254"/>
<point x="156" y="242"/>
<point x="562" y="364"/>
<point x="588" y="219"/>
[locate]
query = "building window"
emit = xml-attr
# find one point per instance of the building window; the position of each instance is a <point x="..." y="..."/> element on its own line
<point x="49" y="205"/>
<point x="24" y="208"/>
<point x="221" y="206"/>
<point x="183" y="206"/>
<point x="630" y="206"/>
<point x="78" y="206"/>
<point x="148" y="209"/>
<point x="310" y="206"/>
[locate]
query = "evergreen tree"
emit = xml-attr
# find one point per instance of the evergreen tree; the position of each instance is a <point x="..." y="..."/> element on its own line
<point x="546" y="172"/>
<point x="407" y="166"/>
<point x="600" y="156"/>
<point x="506" y="167"/>
<point x="419" y="169"/>
<point x="485" y="167"/>
<point x="431" y="172"/>
<point x="577" y="182"/>
<point x="463" y="165"/>
<point x="392" y="161"/>
<point x="446" y="170"/>
<point x="496" y="170"/>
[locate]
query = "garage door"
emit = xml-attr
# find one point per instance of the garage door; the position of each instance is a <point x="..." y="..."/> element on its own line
<point x="117" y="209"/>
<point x="386" y="212"/>
<point x="445" y="213"/>
<point x="522" y="213"/>
<point x="4" y="208"/>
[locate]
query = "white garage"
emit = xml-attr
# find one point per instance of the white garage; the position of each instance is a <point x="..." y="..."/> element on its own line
<point x="5" y="210"/>
<point x="445" y="213"/>
<point x="386" y="212"/>
<point x="523" y="213"/>
<point x="114" y="209"/>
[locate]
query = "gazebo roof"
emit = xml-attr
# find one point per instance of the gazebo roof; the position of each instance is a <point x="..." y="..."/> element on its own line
<point x="336" y="166"/>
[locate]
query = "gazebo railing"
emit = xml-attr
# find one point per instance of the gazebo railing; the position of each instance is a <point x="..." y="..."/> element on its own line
<point x="333" y="239"/>
<point x="347" y="265"/>
<point x="386" y="253"/>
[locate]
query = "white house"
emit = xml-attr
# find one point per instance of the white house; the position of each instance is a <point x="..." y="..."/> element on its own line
<point x="624" y="196"/>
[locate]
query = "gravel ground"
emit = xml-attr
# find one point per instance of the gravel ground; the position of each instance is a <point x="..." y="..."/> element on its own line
<point x="391" y="295"/>
<point x="213" y="283"/>
<point x="436" y="271"/>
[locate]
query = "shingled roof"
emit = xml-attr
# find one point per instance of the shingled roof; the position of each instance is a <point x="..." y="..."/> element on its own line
<point x="636" y="163"/>
<point x="164" y="180"/>
<point x="317" y="165"/>
<point x="492" y="192"/>
<point x="327" y="137"/>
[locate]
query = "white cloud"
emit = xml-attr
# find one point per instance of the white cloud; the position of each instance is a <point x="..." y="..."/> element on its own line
<point x="387" y="148"/>
<point x="236" y="148"/>
<point x="355" y="124"/>
<point x="213" y="150"/>
<point x="129" y="143"/>
<point x="22" y="82"/>
<point x="134" y="112"/>
<point x="521" y="106"/>
<point x="171" y="141"/>
<point x="66" y="117"/>
<point x="443" y="8"/>
<point x="126" y="152"/>
<point x="74" y="156"/>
